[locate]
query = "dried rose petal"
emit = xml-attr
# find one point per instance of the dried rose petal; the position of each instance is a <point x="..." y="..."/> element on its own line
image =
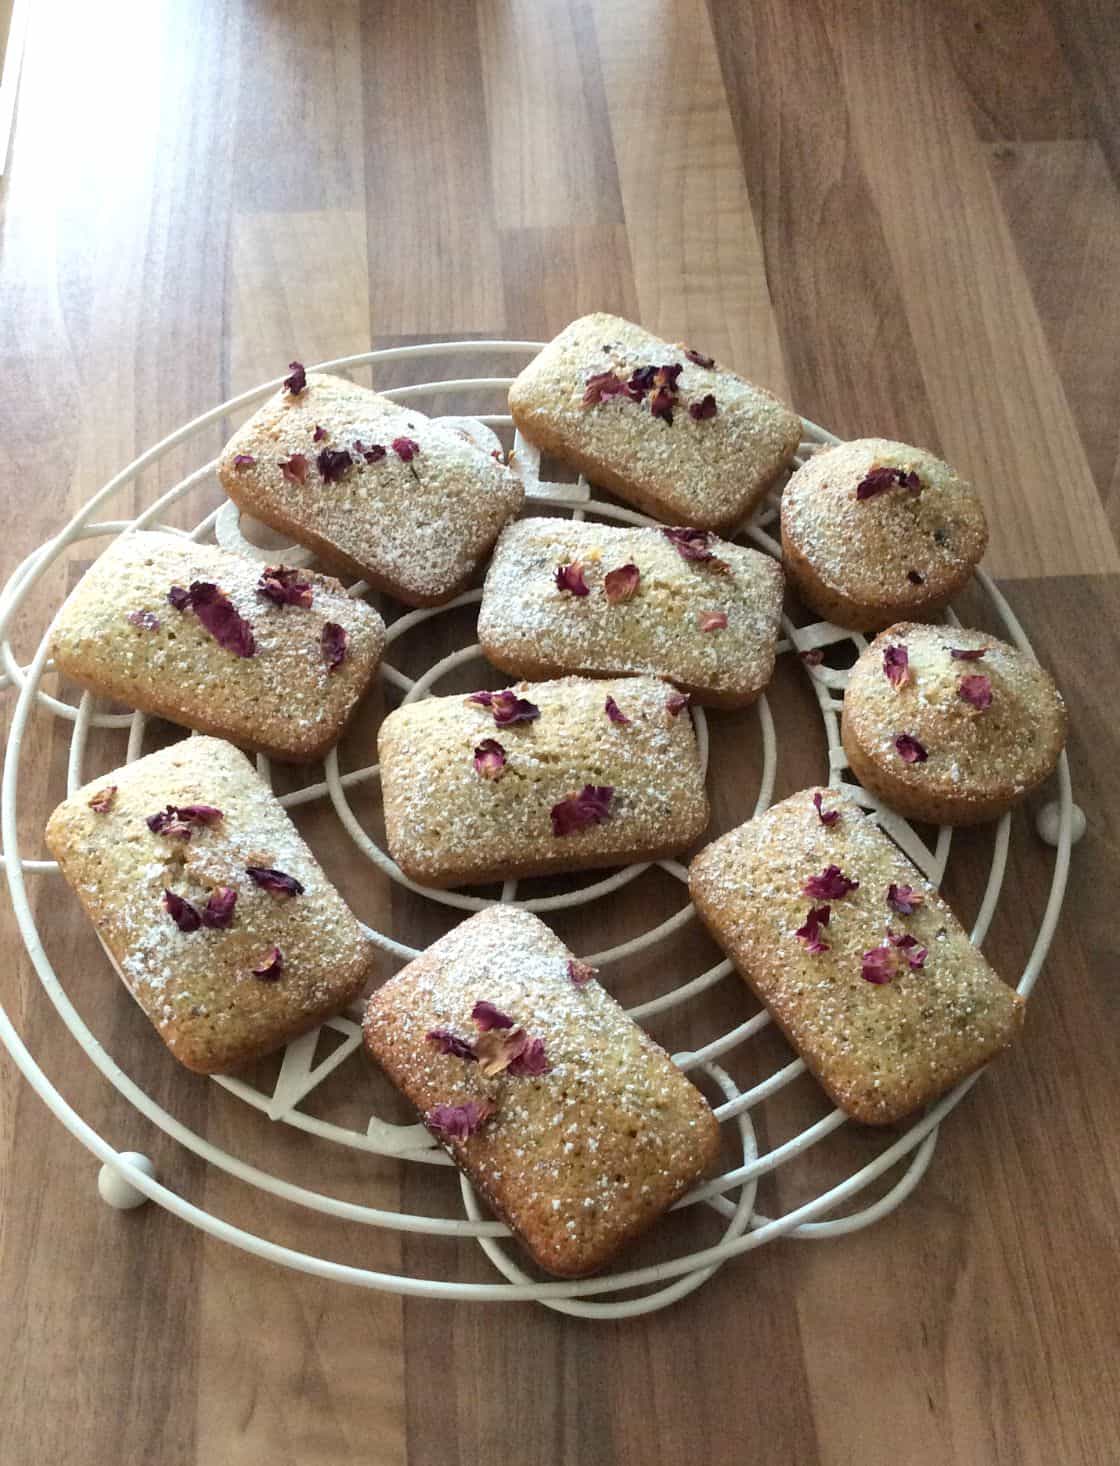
<point x="458" y="1122"/>
<point x="676" y="702"/>
<point x="484" y="699"/>
<point x="218" y="911"/>
<point x="509" y="709"/>
<point x="909" y="749"/>
<point x="977" y="690"/>
<point x="181" y="912"/>
<point x="406" y="449"/>
<point x="914" y="955"/>
<point x="589" y="807"/>
<point x="295" y="468"/>
<point x="879" y="480"/>
<point x="200" y="814"/>
<point x="103" y="801"/>
<point x="813" y="657"/>
<point x="615" y="713"/>
<point x="179" y="598"/>
<point x="271" y="965"/>
<point x="176" y="822"/>
<point x="490" y="759"/>
<point x="281" y="585"/>
<point x="962" y="654"/>
<point x="333" y="464"/>
<point x="497" y="1051"/>
<point x="879" y="965"/>
<point x="146" y="620"/>
<point x="580" y="973"/>
<point x="712" y="620"/>
<point x="488" y="1017"/>
<point x="570" y="578"/>
<point x="692" y="544"/>
<point x="275" y="882"/>
<point x="221" y="618"/>
<point x="243" y="460"/>
<point x="904" y="899"/>
<point x="666" y="376"/>
<point x="531" y="1061"/>
<point x="298" y="380"/>
<point x="701" y="361"/>
<point x="810" y="933"/>
<point x="915" y="577"/>
<point x="703" y="409"/>
<point x="333" y="642"/>
<point x="830" y="885"/>
<point x="319" y="434"/>
<point x="450" y="1043"/>
<point x="374" y="453"/>
<point x="896" y="665"/>
<point x="621" y="584"/>
<point x="826" y="816"/>
<point x="601" y="385"/>
<point x="661" y="404"/>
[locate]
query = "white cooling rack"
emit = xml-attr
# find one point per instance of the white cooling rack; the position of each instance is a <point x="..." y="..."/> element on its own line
<point x="127" y="1178"/>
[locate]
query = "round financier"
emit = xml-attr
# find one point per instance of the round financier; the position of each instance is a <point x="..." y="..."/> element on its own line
<point x="950" y="725"/>
<point x="873" y="531"/>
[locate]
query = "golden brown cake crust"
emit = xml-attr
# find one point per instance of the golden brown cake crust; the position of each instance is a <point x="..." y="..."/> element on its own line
<point x="709" y="473"/>
<point x="580" y="1160"/>
<point x="529" y="628"/>
<point x="980" y="760"/>
<point x="417" y="529"/>
<point x="878" y="1050"/>
<point x="197" y="987"/>
<point x="284" y="700"/>
<point x="447" y="825"/>
<point x="852" y="561"/>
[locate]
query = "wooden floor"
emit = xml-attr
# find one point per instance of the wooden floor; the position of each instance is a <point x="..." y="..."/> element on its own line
<point x="906" y="217"/>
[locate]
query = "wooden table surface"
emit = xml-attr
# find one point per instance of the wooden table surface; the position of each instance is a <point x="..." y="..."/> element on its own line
<point x="905" y="217"/>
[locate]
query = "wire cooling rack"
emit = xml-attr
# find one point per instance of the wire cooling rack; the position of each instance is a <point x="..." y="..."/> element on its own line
<point x="128" y="1178"/>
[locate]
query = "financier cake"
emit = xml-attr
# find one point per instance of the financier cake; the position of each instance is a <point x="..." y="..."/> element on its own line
<point x="544" y="776"/>
<point x="563" y="596"/>
<point x="376" y="490"/>
<point x="662" y="426"/>
<point x="576" y="1128"/>
<point x="950" y="725"/>
<point x="274" y="658"/>
<point x="875" y="532"/>
<point x="214" y="912"/>
<point x="861" y="963"/>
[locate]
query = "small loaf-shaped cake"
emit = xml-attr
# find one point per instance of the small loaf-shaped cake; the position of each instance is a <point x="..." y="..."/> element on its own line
<point x="545" y="776"/>
<point x="564" y="596"/>
<point x="875" y="531"/>
<point x="214" y="912"/>
<point x="274" y="658"/>
<point x="376" y="490"/>
<point x="948" y="725"/>
<point x="662" y="426"/>
<point x="861" y="963"/>
<point x="577" y="1129"/>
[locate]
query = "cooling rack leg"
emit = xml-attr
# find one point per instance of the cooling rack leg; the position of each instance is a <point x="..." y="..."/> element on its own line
<point x="115" y="1190"/>
<point x="1049" y="817"/>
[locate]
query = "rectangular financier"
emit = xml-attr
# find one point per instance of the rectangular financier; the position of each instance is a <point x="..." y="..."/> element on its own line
<point x="895" y="1006"/>
<point x="471" y="796"/>
<point x="280" y="678"/>
<point x="660" y="425"/>
<point x="587" y="1134"/>
<point x="374" y="489"/>
<point x="252" y="947"/>
<point x="709" y="625"/>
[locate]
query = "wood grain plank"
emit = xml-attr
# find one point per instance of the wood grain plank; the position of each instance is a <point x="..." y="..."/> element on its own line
<point x="1090" y="39"/>
<point x="551" y="276"/>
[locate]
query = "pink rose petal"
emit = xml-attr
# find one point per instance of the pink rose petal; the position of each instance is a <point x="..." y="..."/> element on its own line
<point x="601" y="386"/>
<point x="694" y="545"/>
<point x="490" y="759"/>
<point x="712" y="620"/>
<point x="275" y="882"/>
<point x="496" y="1051"/>
<point x="915" y="577"/>
<point x="333" y="464"/>
<point x="295" y="468"/>
<point x="810" y="933"/>
<point x="813" y="657"/>
<point x="271" y="966"/>
<point x="913" y="954"/>
<point x="298" y="380"/>
<point x="880" y="480"/>
<point x="374" y="453"/>
<point x="333" y="643"/>
<point x="962" y="654"/>
<point x="507" y="707"/>
<point x="705" y="408"/>
<point x="459" y="1122"/>
<point x="218" y="911"/>
<point x="896" y="665"/>
<point x="615" y="713"/>
<point x="319" y="434"/>
<point x="243" y="460"/>
<point x="580" y="811"/>
<point x="488" y="1017"/>
<point x="661" y="404"/>
<point x="976" y="689"/>
<point x="103" y="801"/>
<point x="282" y="585"/>
<point x="879" y="965"/>
<point x="909" y="749"/>
<point x="830" y="885"/>
<point x="570" y="578"/>
<point x="406" y="449"/>
<point x="826" y="816"/>
<point x="146" y="620"/>
<point x="531" y="1061"/>
<point x="622" y="584"/>
<point x="676" y="702"/>
<point x="450" y="1043"/>
<point x="182" y="913"/>
<point x="904" y="899"/>
<point x="701" y="361"/>
<point x="579" y="972"/>
<point x="218" y="614"/>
